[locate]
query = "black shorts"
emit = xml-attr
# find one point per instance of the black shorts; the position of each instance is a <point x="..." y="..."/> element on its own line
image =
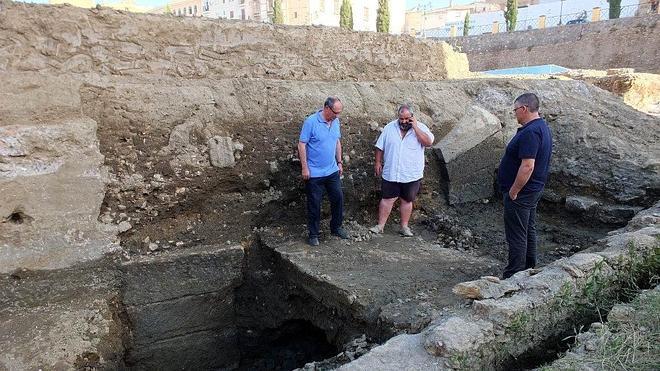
<point x="407" y="191"/>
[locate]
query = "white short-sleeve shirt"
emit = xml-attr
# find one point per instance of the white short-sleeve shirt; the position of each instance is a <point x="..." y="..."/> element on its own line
<point x="403" y="157"/>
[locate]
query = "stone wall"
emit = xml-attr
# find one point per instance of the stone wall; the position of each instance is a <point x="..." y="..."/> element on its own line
<point x="111" y="42"/>
<point x="52" y="179"/>
<point x="513" y="316"/>
<point x="627" y="42"/>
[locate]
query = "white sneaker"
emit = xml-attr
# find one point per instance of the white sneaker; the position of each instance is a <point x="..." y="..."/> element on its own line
<point x="376" y="229"/>
<point x="406" y="232"/>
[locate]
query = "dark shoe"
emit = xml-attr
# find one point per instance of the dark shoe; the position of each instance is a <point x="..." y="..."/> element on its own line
<point x="313" y="241"/>
<point x="341" y="233"/>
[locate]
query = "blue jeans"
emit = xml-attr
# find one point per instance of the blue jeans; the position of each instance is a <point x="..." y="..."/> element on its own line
<point x="520" y="230"/>
<point x="315" y="187"/>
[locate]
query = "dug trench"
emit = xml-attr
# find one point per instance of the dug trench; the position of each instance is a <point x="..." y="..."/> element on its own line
<point x="213" y="271"/>
<point x="192" y="298"/>
<point x="276" y="304"/>
<point x="152" y="217"/>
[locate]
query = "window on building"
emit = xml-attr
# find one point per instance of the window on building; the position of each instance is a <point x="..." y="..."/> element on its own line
<point x="231" y="14"/>
<point x="366" y="14"/>
<point x="322" y="6"/>
<point x="195" y="9"/>
<point x="243" y="14"/>
<point x="337" y="6"/>
<point x="295" y="14"/>
<point x="190" y="10"/>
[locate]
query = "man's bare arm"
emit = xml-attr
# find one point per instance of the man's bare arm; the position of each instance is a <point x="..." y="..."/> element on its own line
<point x="524" y="173"/>
<point x="302" y="154"/>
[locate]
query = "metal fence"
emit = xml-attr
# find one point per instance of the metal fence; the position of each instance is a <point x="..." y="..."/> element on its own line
<point x="586" y="16"/>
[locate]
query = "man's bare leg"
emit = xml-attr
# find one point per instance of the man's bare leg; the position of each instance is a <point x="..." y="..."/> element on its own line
<point x="406" y="208"/>
<point x="384" y="210"/>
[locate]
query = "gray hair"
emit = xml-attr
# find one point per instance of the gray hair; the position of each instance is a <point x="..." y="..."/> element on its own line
<point x="530" y="100"/>
<point x="405" y="107"/>
<point x="331" y="101"/>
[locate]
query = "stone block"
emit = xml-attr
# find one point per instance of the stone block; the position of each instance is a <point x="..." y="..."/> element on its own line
<point x="171" y="275"/>
<point x="476" y="126"/>
<point x="484" y="289"/>
<point x="221" y="152"/>
<point x="204" y="350"/>
<point x="580" y="204"/>
<point x="502" y="311"/>
<point x="178" y="317"/>
<point x="550" y="280"/>
<point x="402" y="352"/>
<point x="580" y="265"/>
<point x="616" y="214"/>
<point x="471" y="152"/>
<point x="640" y="240"/>
<point x="52" y="179"/>
<point x="471" y="177"/>
<point x="458" y="336"/>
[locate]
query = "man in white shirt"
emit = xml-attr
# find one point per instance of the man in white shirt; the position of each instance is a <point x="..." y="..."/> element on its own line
<point x="401" y="147"/>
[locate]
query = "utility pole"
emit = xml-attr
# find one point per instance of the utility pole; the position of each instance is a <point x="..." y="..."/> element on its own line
<point x="561" y="8"/>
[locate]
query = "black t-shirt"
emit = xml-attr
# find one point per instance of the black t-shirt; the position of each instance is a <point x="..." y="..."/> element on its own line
<point x="533" y="140"/>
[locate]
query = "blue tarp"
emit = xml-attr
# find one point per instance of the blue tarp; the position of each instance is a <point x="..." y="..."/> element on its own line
<point x="547" y="69"/>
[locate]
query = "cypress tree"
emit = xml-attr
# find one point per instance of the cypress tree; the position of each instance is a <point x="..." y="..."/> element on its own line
<point x="278" y="16"/>
<point x="383" y="17"/>
<point x="615" y="9"/>
<point x="511" y="14"/>
<point x="466" y="24"/>
<point x="346" y="15"/>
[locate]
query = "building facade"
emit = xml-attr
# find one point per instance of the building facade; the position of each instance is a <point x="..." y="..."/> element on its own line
<point x="307" y="12"/>
<point x="326" y="13"/>
<point x="420" y="19"/>
<point x="253" y="10"/>
<point x="185" y="8"/>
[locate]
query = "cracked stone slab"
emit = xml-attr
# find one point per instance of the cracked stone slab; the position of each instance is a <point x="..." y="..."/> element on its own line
<point x="484" y="289"/>
<point x="458" y="335"/>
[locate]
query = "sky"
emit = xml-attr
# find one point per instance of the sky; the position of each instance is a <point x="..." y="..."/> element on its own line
<point x="431" y="4"/>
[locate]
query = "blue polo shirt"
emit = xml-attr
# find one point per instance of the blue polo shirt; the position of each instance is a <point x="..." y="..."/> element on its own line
<point x="321" y="144"/>
<point x="533" y="140"/>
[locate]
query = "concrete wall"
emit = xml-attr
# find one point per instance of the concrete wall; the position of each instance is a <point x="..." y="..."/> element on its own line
<point x="628" y="42"/>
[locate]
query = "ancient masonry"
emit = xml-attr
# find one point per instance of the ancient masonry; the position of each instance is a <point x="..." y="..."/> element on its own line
<point x="151" y="213"/>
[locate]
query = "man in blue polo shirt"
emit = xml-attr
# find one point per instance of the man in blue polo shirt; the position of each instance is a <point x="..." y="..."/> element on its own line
<point x="522" y="175"/>
<point x="319" y="148"/>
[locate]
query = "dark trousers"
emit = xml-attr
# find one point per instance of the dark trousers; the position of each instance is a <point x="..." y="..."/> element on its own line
<point x="315" y="187"/>
<point x="520" y="230"/>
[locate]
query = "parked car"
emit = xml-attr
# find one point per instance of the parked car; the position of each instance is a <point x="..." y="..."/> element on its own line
<point x="582" y="18"/>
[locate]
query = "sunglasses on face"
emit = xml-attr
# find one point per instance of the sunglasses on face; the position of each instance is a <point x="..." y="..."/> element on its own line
<point x="335" y="112"/>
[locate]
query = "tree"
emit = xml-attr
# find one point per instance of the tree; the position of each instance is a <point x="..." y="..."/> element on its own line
<point x="346" y="15"/>
<point x="278" y="16"/>
<point x="383" y="17"/>
<point x="168" y="10"/>
<point x="615" y="9"/>
<point x="466" y="24"/>
<point x="511" y="14"/>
